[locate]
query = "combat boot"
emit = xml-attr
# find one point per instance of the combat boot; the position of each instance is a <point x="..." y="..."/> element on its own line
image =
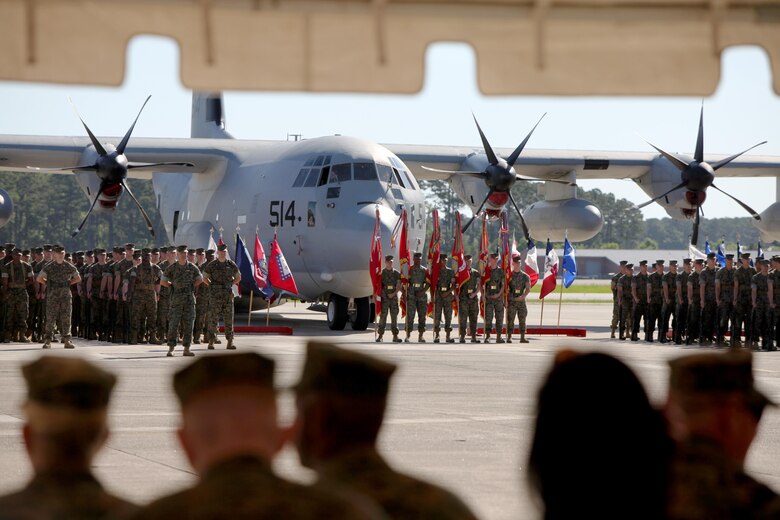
<point x="230" y="345"/>
<point x="522" y="338"/>
<point x="68" y="344"/>
<point x="420" y="338"/>
<point x="47" y="344"/>
<point x="487" y="337"/>
<point x="509" y="338"/>
<point x="406" y="340"/>
<point x="378" y="338"/>
<point x="612" y="336"/>
<point x="23" y="338"/>
<point x="449" y="339"/>
<point x="435" y="337"/>
<point x="218" y="341"/>
<point x="396" y="339"/>
<point x="211" y="345"/>
<point x="170" y="351"/>
<point x="474" y="338"/>
<point x="154" y="340"/>
<point x="187" y="352"/>
<point x="498" y="338"/>
<point x="462" y="338"/>
<point x="196" y="339"/>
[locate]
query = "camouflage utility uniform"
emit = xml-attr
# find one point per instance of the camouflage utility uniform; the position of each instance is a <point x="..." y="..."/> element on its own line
<point x="494" y="302"/>
<point x="669" y="308"/>
<point x="443" y="303"/>
<point x="163" y="306"/>
<point x="694" y="308"/>
<point x="391" y="280"/>
<point x="743" y="310"/>
<point x="710" y="309"/>
<point x="182" y="310"/>
<point x="655" y="286"/>
<point x="468" y="306"/>
<point x="639" y="284"/>
<point x="144" y="280"/>
<point x="761" y="311"/>
<point x="201" y="309"/>
<point x="681" y="322"/>
<point x="626" y="322"/>
<point x="615" y="307"/>
<point x="519" y="283"/>
<point x="221" y="276"/>
<point x="58" y="299"/>
<point x="18" y="276"/>
<point x="417" y="300"/>
<point x="725" y="280"/>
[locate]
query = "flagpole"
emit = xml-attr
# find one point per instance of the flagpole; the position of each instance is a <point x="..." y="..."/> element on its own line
<point x="249" y="312"/>
<point x="560" y="302"/>
<point x="541" y="316"/>
<point x="268" y="313"/>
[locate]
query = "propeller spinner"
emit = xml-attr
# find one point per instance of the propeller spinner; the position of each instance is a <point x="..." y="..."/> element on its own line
<point x="698" y="175"/>
<point x="500" y="175"/>
<point x="112" y="167"/>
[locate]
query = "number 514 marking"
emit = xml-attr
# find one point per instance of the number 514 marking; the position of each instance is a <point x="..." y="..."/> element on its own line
<point x="279" y="214"/>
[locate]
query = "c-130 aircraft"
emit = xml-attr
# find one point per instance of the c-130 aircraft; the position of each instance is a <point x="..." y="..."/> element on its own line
<point x="321" y="195"/>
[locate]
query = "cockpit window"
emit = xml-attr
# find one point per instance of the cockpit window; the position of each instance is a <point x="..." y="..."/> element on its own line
<point x="309" y="161"/>
<point x="410" y="181"/>
<point x="319" y="161"/>
<point x="341" y="172"/>
<point x="365" y="172"/>
<point x="311" y="179"/>
<point x="398" y="178"/>
<point x="299" y="180"/>
<point x="386" y="174"/>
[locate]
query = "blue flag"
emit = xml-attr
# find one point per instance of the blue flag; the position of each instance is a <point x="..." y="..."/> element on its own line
<point x="739" y="250"/>
<point x="707" y="249"/>
<point x="721" y="254"/>
<point x="245" y="265"/>
<point x="569" y="264"/>
<point x="760" y="251"/>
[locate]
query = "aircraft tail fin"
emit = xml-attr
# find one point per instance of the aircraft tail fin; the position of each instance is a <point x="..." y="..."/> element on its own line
<point x="208" y="116"/>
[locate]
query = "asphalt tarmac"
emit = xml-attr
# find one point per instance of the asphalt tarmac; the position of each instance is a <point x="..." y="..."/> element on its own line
<point x="460" y="415"/>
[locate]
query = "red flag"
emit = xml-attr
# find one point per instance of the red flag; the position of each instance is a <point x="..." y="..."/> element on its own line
<point x="484" y="268"/>
<point x="375" y="264"/>
<point x="506" y="251"/>
<point x="531" y="263"/>
<point x="279" y="273"/>
<point x="434" y="252"/>
<point x="404" y="258"/>
<point x="550" y="271"/>
<point x="461" y="273"/>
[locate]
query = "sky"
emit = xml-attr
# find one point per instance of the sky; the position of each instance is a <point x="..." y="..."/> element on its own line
<point x="743" y="111"/>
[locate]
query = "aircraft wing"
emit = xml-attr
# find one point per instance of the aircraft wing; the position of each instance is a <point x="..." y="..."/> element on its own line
<point x="51" y="152"/>
<point x="552" y="164"/>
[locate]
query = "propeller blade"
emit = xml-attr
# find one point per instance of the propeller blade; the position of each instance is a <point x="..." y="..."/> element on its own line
<point x="522" y="220"/>
<point x="136" y="165"/>
<point x="698" y="155"/>
<point x="148" y="221"/>
<point x="84" y="221"/>
<point x="556" y="181"/>
<point x="491" y="155"/>
<point x="126" y="138"/>
<point x="724" y="162"/>
<point x="87" y="167"/>
<point x="98" y="147"/>
<point x="745" y="206"/>
<point x="513" y="158"/>
<point x="478" y="211"/>
<point x="681" y="185"/>
<point x="695" y="234"/>
<point x="681" y="165"/>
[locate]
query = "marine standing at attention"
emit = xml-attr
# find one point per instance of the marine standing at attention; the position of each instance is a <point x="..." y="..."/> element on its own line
<point x="391" y="284"/>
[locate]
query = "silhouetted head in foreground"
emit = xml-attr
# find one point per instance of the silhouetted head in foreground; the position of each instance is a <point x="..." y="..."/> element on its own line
<point x="599" y="448"/>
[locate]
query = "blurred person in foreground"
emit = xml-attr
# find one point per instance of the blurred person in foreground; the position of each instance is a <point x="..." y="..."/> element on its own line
<point x="65" y="426"/>
<point x="341" y="400"/>
<point x="230" y="435"/>
<point x="599" y="448"/>
<point x="713" y="412"/>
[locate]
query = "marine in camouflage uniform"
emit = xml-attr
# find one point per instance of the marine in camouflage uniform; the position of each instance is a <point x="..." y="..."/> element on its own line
<point x="183" y="277"/>
<point x="443" y="295"/>
<point x="669" y="311"/>
<point x="743" y="306"/>
<point x="86" y="310"/>
<point x="122" y="323"/>
<point x="774" y="302"/>
<point x="615" y="307"/>
<point x="391" y="284"/>
<point x="144" y="284"/>
<point x="468" y="303"/>
<point x="655" y="301"/>
<point x="709" y="308"/>
<point x="417" y="298"/>
<point x="626" y="302"/>
<point x="724" y="293"/>
<point x="346" y="391"/>
<point x="493" y="292"/>
<point x="58" y="276"/>
<point x="639" y="293"/>
<point x="681" y="323"/>
<point x="694" y="303"/>
<point x="519" y="287"/>
<point x="66" y="415"/>
<point x="17" y="276"/>
<point x="707" y="475"/>
<point x="221" y="275"/>
<point x="37" y="256"/>
<point x="202" y="301"/>
<point x="168" y="257"/>
<point x="760" y="288"/>
<point x="97" y="292"/>
<point x="38" y="307"/>
<point x="75" y="323"/>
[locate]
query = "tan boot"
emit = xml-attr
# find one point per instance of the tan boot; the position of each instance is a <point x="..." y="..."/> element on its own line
<point x="420" y="338"/>
<point x="378" y="338"/>
<point x="396" y="339"/>
<point x="68" y="344"/>
<point x="449" y="339"/>
<point x="47" y="344"/>
<point x="522" y="338"/>
<point x="196" y="339"/>
<point x="435" y="337"/>
<point x="187" y="352"/>
<point x="230" y="345"/>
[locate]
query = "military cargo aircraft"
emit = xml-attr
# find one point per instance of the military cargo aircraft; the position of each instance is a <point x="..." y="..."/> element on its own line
<point x="321" y="195"/>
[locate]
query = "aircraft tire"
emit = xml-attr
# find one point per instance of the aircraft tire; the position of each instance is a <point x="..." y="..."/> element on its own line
<point x="362" y="314"/>
<point x="337" y="312"/>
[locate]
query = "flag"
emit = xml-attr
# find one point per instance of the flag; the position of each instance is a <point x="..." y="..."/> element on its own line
<point x="244" y="264"/>
<point x="720" y="254"/>
<point x="484" y="269"/>
<point x="550" y="271"/>
<point x="532" y="263"/>
<point x="211" y="245"/>
<point x="404" y="257"/>
<point x="279" y="273"/>
<point x="759" y="251"/>
<point x="434" y="252"/>
<point x="739" y="250"/>
<point x="707" y="249"/>
<point x="514" y="247"/>
<point x="694" y="253"/>
<point x="458" y="257"/>
<point x="260" y="273"/>
<point x="569" y="264"/>
<point x="375" y="264"/>
<point x="506" y="250"/>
